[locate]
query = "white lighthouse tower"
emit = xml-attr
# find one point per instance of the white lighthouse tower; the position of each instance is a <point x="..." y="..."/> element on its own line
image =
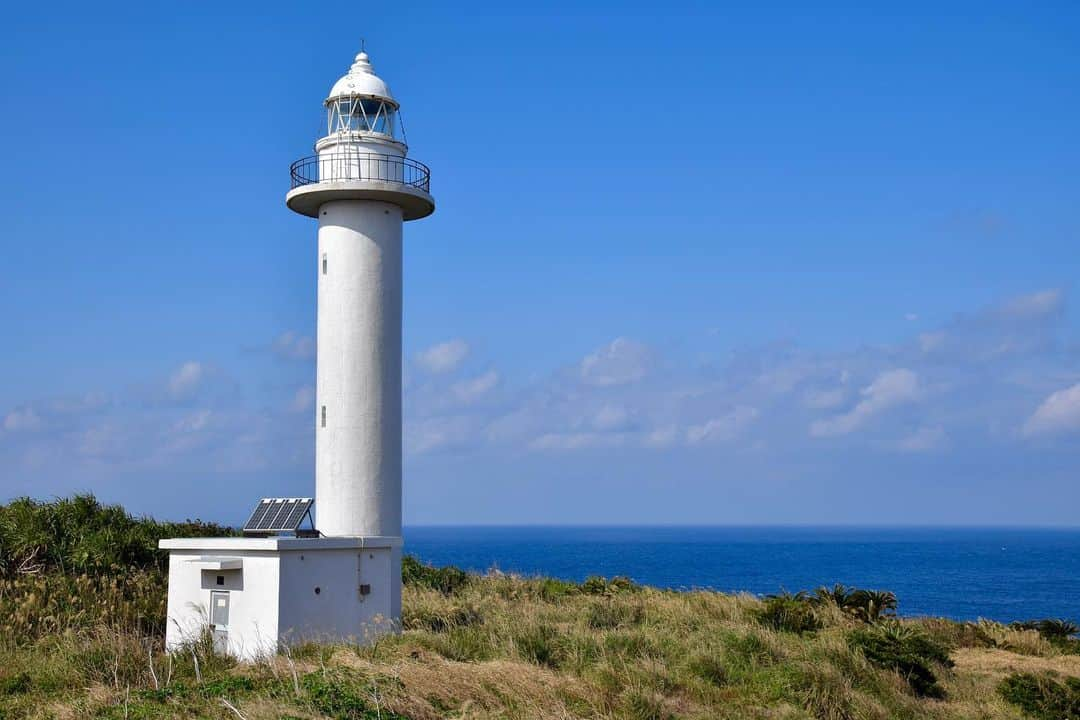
<point x="342" y="581"/>
<point x="360" y="187"/>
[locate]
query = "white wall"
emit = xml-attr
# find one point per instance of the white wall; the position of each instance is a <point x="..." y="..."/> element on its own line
<point x="358" y="451"/>
<point x="253" y="611"/>
<point x="338" y="612"/>
<point x="272" y="595"/>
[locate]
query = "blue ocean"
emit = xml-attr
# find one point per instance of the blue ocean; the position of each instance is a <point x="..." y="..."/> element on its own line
<point x="961" y="573"/>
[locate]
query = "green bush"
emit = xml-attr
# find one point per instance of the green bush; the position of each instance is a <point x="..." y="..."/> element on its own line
<point x="1043" y="697"/>
<point x="867" y="605"/>
<point x="80" y="535"/>
<point x="599" y="585"/>
<point x="911" y="653"/>
<point x="551" y="589"/>
<point x="788" y="613"/>
<point x="446" y="580"/>
<point x="1050" y="628"/>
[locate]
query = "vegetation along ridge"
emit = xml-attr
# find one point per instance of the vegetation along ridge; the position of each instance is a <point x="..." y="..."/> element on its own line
<point x="82" y="613"/>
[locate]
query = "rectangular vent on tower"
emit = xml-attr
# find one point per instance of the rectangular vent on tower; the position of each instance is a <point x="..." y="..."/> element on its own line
<point x="324" y="264"/>
<point x="324" y="416"/>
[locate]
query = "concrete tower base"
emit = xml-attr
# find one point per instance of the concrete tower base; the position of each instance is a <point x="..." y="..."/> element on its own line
<point x="255" y="595"/>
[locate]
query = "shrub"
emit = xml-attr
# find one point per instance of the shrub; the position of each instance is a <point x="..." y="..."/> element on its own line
<point x="599" y="585"/>
<point x="1042" y="696"/>
<point x="447" y="580"/>
<point x="1051" y="628"/>
<point x="788" y="613"/>
<point x="80" y="535"/>
<point x="550" y="589"/>
<point x="867" y="605"/>
<point x="910" y="652"/>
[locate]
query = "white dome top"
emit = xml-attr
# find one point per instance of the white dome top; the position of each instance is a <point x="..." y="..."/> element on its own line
<point x="361" y="80"/>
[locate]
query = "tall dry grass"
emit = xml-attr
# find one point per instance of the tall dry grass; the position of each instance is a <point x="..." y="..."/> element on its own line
<point x="88" y="644"/>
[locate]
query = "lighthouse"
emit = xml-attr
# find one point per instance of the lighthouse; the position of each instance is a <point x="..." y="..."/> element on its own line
<point x="361" y="188"/>
<point x="338" y="579"/>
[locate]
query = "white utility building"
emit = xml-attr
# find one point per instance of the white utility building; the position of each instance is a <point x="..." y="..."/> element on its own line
<point x="280" y="584"/>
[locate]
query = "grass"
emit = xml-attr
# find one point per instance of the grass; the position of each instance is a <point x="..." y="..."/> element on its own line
<point x="80" y="642"/>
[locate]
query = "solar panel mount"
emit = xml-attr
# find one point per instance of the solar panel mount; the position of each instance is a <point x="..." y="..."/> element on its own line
<point x="272" y="516"/>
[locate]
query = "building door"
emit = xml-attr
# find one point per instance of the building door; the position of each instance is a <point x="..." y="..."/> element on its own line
<point x="219" y="620"/>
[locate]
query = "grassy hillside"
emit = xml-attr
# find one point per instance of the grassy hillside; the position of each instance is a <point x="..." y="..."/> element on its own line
<point x="82" y="624"/>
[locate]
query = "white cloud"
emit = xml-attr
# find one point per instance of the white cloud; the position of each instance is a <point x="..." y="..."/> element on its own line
<point x="925" y="439"/>
<point x="663" y="437"/>
<point x="186" y="379"/>
<point x="1019" y="326"/>
<point x="22" y="419"/>
<point x="822" y="399"/>
<point x="444" y="357"/>
<point x="889" y="389"/>
<point x="621" y="362"/>
<point x="440" y="433"/>
<point x="578" y="441"/>
<point x="469" y="390"/>
<point x="611" y="418"/>
<point x="932" y="341"/>
<point x="724" y="428"/>
<point x="303" y="399"/>
<point x="194" y="422"/>
<point x="1060" y="412"/>
<point x="293" y="346"/>
<point x="1036" y="305"/>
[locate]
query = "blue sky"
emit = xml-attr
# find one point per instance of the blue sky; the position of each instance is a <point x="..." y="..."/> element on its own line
<point x="690" y="263"/>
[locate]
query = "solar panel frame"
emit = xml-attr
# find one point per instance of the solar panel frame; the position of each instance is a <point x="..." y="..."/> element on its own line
<point x="270" y="521"/>
<point x="257" y="514"/>
<point x="296" y="515"/>
<point x="278" y="515"/>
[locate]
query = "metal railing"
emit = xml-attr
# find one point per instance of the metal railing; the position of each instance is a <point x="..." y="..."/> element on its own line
<point x="334" y="167"/>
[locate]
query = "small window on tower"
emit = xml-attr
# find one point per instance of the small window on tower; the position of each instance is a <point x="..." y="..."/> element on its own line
<point x="324" y="416"/>
<point x="324" y="264"/>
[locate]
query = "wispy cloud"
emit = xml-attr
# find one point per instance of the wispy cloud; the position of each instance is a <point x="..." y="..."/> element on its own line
<point x="185" y="380"/>
<point x="621" y="362"/>
<point x="22" y="419"/>
<point x="724" y="428"/>
<point x="303" y="399"/>
<point x="292" y="345"/>
<point x="943" y="393"/>
<point x="924" y="439"/>
<point x="889" y="389"/>
<point x="444" y="357"/>
<point x="472" y="389"/>
<point x="1058" y="413"/>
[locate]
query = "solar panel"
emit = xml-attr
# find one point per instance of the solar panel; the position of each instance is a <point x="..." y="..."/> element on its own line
<point x="273" y="515"/>
<point x="258" y="513"/>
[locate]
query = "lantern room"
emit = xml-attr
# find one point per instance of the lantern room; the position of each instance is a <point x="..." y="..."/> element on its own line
<point x="361" y="109"/>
